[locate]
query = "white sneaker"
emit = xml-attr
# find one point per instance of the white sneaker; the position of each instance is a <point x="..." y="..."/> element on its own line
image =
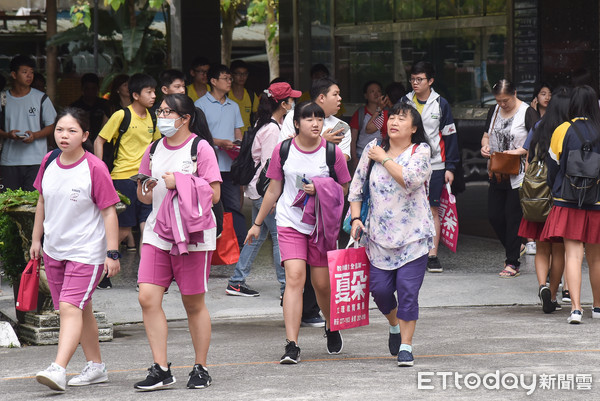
<point x="575" y="317"/>
<point x="530" y="248"/>
<point x="91" y="374"/>
<point x="54" y="377"/>
<point x="596" y="313"/>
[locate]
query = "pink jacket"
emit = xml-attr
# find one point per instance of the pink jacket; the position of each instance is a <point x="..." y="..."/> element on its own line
<point x="185" y="213"/>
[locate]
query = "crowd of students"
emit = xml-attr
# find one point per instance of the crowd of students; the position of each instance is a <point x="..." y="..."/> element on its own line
<point x="172" y="158"/>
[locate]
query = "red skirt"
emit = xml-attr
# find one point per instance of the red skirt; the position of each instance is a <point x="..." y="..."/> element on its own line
<point x="575" y="224"/>
<point x="530" y="229"/>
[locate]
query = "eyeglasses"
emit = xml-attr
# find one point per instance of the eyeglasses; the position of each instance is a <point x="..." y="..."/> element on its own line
<point x="417" y="80"/>
<point x="201" y="72"/>
<point x="240" y="74"/>
<point x="164" y="112"/>
<point x="228" y="79"/>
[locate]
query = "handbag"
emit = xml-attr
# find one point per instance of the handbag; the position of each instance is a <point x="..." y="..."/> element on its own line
<point x="228" y="250"/>
<point x="27" y="297"/>
<point x="502" y="165"/>
<point x="263" y="181"/>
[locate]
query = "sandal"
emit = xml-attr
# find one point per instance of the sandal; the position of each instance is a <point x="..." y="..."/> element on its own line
<point x="508" y="273"/>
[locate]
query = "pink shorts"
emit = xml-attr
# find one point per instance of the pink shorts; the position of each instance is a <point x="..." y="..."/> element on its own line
<point x="190" y="271"/>
<point x="295" y="245"/>
<point x="72" y="282"/>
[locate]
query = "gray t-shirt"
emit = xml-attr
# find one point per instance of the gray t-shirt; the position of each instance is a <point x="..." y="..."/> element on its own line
<point x="23" y="114"/>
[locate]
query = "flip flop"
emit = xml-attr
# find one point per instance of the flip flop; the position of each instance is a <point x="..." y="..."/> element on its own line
<point x="509" y="274"/>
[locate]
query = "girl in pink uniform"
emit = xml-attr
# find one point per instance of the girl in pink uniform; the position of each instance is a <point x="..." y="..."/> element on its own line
<point x="76" y="215"/>
<point x="180" y="122"/>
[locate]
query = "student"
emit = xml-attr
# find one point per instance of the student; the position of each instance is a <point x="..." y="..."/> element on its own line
<point x="173" y="167"/>
<point x="199" y="73"/>
<point x="246" y="101"/>
<point x="225" y="123"/>
<point x="307" y="161"/>
<point x="372" y="92"/>
<point x="171" y="82"/>
<point x="319" y="71"/>
<point x="98" y="109"/>
<point x="140" y="133"/>
<point x="119" y="93"/>
<point x="76" y="214"/>
<point x="441" y="134"/>
<point x="25" y="122"/>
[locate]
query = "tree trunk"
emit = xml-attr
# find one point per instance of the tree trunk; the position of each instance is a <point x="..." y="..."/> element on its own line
<point x="272" y="43"/>
<point x="51" y="53"/>
<point x="228" y="18"/>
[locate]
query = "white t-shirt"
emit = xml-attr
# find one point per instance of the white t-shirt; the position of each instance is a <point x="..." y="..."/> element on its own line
<point x="74" y="195"/>
<point x="288" y="131"/>
<point x="178" y="159"/>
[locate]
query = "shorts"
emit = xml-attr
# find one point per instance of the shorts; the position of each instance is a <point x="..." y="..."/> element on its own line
<point x="436" y="185"/>
<point x="295" y="245"/>
<point x="190" y="271"/>
<point x="135" y="213"/>
<point x="72" y="282"/>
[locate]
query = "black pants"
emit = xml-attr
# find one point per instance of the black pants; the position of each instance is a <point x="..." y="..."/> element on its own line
<point x="15" y="177"/>
<point x="310" y="308"/>
<point x="504" y="214"/>
<point x="230" y="196"/>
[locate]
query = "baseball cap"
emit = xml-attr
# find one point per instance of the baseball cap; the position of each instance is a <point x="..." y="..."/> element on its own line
<point x="282" y="90"/>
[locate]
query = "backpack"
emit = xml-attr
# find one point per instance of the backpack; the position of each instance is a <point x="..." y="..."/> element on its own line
<point x="263" y="181"/>
<point x="217" y="207"/>
<point x="581" y="183"/>
<point x="535" y="194"/>
<point x="243" y="168"/>
<point x="110" y="150"/>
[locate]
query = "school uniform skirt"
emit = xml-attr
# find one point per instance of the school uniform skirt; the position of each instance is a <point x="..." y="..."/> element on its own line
<point x="574" y="224"/>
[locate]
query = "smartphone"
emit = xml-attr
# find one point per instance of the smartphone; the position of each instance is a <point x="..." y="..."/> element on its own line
<point x="22" y="134"/>
<point x="341" y="125"/>
<point x="237" y="142"/>
<point x="142" y="177"/>
<point x="359" y="233"/>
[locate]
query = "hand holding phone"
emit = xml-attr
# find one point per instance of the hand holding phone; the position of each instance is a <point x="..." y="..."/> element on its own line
<point x="340" y="125"/>
<point x="142" y="177"/>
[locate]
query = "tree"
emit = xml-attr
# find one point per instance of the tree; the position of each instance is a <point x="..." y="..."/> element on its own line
<point x="231" y="15"/>
<point x="267" y="11"/>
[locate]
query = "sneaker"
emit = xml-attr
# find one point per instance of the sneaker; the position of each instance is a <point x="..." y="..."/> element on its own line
<point x="292" y="354"/>
<point x="104" y="284"/>
<point x="566" y="296"/>
<point x="199" y="377"/>
<point x="335" y="343"/>
<point x="54" y="377"/>
<point x="545" y="297"/>
<point x="596" y="313"/>
<point x="315" y="321"/>
<point x="394" y="342"/>
<point x="91" y="374"/>
<point x="405" y="358"/>
<point x="556" y="305"/>
<point x="433" y="265"/>
<point x="241" y="290"/>
<point x="575" y="317"/>
<point x="157" y="379"/>
<point x="530" y="248"/>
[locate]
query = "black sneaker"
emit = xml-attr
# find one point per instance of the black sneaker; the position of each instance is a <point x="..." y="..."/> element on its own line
<point x="241" y="290"/>
<point x="394" y="342"/>
<point x="566" y="296"/>
<point x="545" y="296"/>
<point x="157" y="379"/>
<point x="104" y="284"/>
<point x="434" y="265"/>
<point x="199" y="377"/>
<point x="292" y="354"/>
<point x="315" y="321"/>
<point x="335" y="343"/>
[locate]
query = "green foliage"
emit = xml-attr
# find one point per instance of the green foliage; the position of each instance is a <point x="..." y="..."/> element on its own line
<point x="258" y="11"/>
<point x="80" y="14"/>
<point x="18" y="197"/>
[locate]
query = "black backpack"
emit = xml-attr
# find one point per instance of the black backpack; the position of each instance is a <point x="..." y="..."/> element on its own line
<point x="243" y="168"/>
<point x="110" y="150"/>
<point x="581" y="183"/>
<point x="263" y="181"/>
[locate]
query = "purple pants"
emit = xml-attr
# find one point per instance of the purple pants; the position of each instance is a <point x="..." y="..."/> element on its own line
<point x="405" y="281"/>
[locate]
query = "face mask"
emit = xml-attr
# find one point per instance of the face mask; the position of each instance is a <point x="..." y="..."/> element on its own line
<point x="292" y="108"/>
<point x="166" y="126"/>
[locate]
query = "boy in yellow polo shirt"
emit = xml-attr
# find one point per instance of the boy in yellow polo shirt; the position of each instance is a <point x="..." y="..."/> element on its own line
<point x="247" y="102"/>
<point x="198" y="71"/>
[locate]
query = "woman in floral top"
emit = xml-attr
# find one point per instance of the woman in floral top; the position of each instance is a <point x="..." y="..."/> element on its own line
<point x="399" y="230"/>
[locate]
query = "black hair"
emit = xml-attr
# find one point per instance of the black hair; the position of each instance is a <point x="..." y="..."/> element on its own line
<point x="584" y="103"/>
<point x="419" y="136"/>
<point x="278" y="79"/>
<point x="21" y="60"/>
<point x="198" y="61"/>
<point x="215" y="72"/>
<point x="321" y="87"/>
<point x="557" y="113"/>
<point x="81" y="116"/>
<point x="369" y="83"/>
<point x="266" y="107"/>
<point x="90" y="78"/>
<point x="38" y="78"/>
<point x="423" y="67"/>
<point x="306" y="110"/>
<point x="138" y="82"/>
<point x="167" y="77"/>
<point x="319" y="68"/>
<point x="235" y="64"/>
<point x="114" y="97"/>
<point x="395" y="91"/>
<point x="504" y="86"/>
<point x="182" y="104"/>
<point x="539" y="88"/>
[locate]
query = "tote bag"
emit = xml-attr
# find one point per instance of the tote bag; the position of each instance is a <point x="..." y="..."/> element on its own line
<point x="27" y="297"/>
<point x="228" y="250"/>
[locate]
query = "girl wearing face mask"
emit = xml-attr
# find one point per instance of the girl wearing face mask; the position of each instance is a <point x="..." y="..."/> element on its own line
<point x="275" y="103"/>
<point x="174" y="169"/>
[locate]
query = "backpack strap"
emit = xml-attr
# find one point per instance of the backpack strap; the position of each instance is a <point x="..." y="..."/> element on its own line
<point x="276" y="123"/>
<point x="330" y="159"/>
<point x="3" y="110"/>
<point x="42" y="110"/>
<point x="53" y="155"/>
<point x="122" y="129"/>
<point x="578" y="133"/>
<point x="152" y="150"/>
<point x="284" y="151"/>
<point x="194" y="151"/>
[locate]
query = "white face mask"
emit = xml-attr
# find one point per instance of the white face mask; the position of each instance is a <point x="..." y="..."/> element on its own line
<point x="292" y="108"/>
<point x="166" y="126"/>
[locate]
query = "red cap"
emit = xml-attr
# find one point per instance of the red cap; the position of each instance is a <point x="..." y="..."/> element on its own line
<point x="282" y="90"/>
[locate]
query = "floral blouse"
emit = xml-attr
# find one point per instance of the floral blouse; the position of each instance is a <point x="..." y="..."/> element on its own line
<point x="399" y="226"/>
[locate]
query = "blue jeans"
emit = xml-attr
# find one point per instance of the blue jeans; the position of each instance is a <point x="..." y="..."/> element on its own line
<point x="249" y="252"/>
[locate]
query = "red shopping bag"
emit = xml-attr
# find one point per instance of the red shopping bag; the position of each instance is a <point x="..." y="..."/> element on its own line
<point x="448" y="219"/>
<point x="228" y="250"/>
<point x="349" y="280"/>
<point x="27" y="297"/>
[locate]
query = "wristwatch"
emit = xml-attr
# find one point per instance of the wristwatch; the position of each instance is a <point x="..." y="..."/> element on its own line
<point x="113" y="254"/>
